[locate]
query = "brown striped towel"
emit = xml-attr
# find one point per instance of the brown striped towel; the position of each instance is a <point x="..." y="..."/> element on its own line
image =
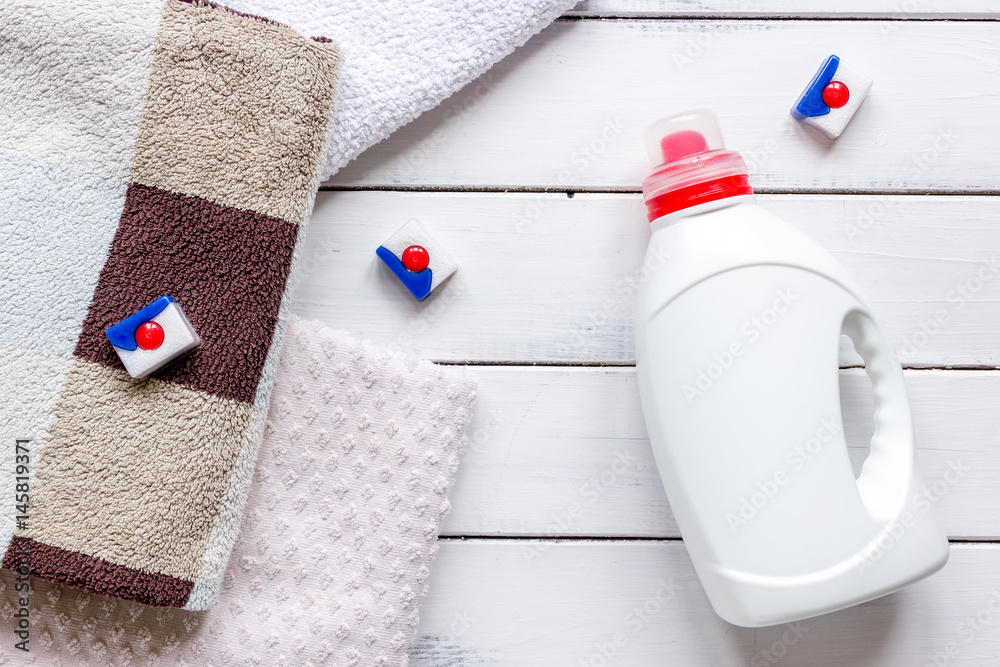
<point x="147" y="147"/>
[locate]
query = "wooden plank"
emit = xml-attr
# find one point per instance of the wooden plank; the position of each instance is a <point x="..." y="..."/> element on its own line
<point x="898" y="9"/>
<point x="568" y="109"/>
<point x="546" y="277"/>
<point x="564" y="452"/>
<point x="490" y="604"/>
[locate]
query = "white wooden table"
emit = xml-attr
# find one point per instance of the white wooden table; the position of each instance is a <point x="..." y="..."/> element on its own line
<point x="561" y="539"/>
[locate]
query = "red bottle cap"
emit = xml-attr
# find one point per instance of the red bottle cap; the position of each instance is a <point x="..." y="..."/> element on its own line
<point x="692" y="164"/>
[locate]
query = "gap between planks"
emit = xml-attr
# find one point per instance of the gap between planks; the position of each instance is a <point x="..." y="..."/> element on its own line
<point x="631" y="364"/>
<point x="620" y="538"/>
<point x="763" y="16"/>
<point x="569" y="192"/>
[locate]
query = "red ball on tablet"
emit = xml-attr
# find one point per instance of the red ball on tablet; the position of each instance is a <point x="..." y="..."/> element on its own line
<point x="836" y="95"/>
<point x="415" y="258"/>
<point x="149" y="335"/>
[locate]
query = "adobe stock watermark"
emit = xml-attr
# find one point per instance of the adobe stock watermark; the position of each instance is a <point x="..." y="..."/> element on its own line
<point x="455" y="115"/>
<point x="580" y="161"/>
<point x="957" y="298"/>
<point x="778" y="649"/>
<point x="928" y="496"/>
<point x="796" y="459"/>
<point x="320" y="250"/>
<point x="913" y="167"/>
<point x="458" y="627"/>
<point x="968" y="630"/>
<point x="701" y="42"/>
<point x="21" y="553"/>
<point x="902" y="10"/>
<point x="757" y="156"/>
<point x="592" y="491"/>
<point x="750" y="332"/>
<point x="477" y="440"/>
<point x="695" y="48"/>
<point x="923" y="161"/>
<point x="624" y="288"/>
<point x="633" y="623"/>
<point x="433" y="308"/>
<point x="872" y="214"/>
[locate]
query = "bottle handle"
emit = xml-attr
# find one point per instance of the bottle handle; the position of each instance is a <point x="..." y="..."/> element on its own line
<point x="887" y="472"/>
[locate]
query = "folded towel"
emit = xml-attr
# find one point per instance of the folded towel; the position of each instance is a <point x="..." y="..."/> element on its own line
<point x="155" y="147"/>
<point x="403" y="57"/>
<point x="340" y="528"/>
<point x="148" y="147"/>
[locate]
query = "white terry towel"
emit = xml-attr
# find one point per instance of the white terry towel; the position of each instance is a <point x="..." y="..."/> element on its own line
<point x="403" y="57"/>
<point x="360" y="450"/>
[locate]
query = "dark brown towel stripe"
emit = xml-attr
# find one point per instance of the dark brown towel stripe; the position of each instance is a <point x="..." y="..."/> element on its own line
<point x="227" y="267"/>
<point x="96" y="575"/>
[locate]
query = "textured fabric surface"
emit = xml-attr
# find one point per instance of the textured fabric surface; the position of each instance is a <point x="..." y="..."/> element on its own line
<point x="228" y="268"/>
<point x="146" y="506"/>
<point x="147" y="148"/>
<point x="340" y="527"/>
<point x="243" y="127"/>
<point x="157" y="147"/>
<point x="74" y="78"/>
<point x="403" y="57"/>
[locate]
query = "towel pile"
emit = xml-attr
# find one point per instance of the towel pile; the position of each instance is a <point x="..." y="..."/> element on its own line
<point x="155" y="147"/>
<point x="149" y="147"/>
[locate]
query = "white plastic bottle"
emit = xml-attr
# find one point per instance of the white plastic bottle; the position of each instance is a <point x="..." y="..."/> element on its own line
<point x="737" y="351"/>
